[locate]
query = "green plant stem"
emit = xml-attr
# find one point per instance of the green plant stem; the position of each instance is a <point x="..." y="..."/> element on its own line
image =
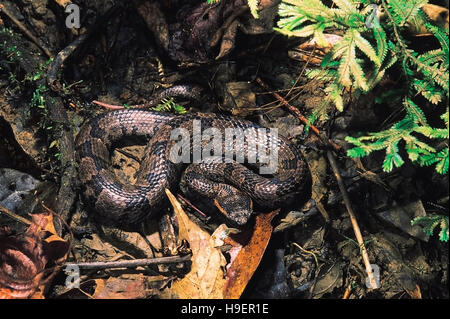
<point x="402" y="45"/>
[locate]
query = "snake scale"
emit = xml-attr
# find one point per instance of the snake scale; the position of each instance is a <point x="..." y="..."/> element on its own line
<point x="230" y="186"/>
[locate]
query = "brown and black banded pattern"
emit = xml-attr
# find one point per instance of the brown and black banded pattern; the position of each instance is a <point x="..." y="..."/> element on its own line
<point x="129" y="204"/>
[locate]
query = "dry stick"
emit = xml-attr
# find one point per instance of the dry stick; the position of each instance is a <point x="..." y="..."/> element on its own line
<point x="25" y="30"/>
<point x="345" y="196"/>
<point x="303" y="70"/>
<point x="299" y="115"/>
<point x="357" y="231"/>
<point x="15" y="216"/>
<point x="59" y="60"/>
<point x="304" y="120"/>
<point x="65" y="53"/>
<point x="131" y="263"/>
<point x="109" y="106"/>
<point x="201" y="215"/>
<point x="347" y="291"/>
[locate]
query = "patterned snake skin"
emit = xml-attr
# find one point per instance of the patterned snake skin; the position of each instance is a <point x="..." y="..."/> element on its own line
<point x="230" y="186"/>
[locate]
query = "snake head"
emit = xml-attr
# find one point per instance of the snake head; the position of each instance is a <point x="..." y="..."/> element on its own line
<point x="235" y="205"/>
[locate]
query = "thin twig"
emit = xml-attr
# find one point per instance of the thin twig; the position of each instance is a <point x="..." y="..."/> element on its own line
<point x="59" y="60"/>
<point x="352" y="215"/>
<point x="347" y="291"/>
<point x="131" y="263"/>
<point x="201" y="215"/>
<point x="302" y="71"/>
<point x="307" y="252"/>
<point x="15" y="216"/>
<point x="109" y="106"/>
<point x="323" y="211"/>
<point x="25" y="30"/>
<point x="299" y="115"/>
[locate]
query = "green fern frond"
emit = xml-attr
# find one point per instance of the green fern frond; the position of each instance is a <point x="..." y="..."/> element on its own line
<point x="346" y="5"/>
<point x="366" y="48"/>
<point x="434" y="67"/>
<point x="405" y="10"/>
<point x="432" y="132"/>
<point x="169" y="105"/>
<point x="358" y="62"/>
<point x="348" y="51"/>
<point x="359" y="76"/>
<point x="418" y="151"/>
<point x="415" y="112"/>
<point x="357" y="152"/>
<point x="334" y="91"/>
<point x="442" y="161"/>
<point x="445" y="118"/>
<point x="429" y="223"/>
<point x="393" y="158"/>
<point x="428" y="91"/>
<point x="382" y="46"/>
<point x="441" y="35"/>
<point x="443" y="234"/>
<point x="322" y="74"/>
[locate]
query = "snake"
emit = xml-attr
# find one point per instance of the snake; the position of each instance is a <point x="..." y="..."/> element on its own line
<point x="231" y="182"/>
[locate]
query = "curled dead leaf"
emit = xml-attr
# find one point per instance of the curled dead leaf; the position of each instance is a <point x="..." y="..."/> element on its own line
<point x="249" y="256"/>
<point x="206" y="277"/>
<point x="22" y="261"/>
<point x="24" y="257"/>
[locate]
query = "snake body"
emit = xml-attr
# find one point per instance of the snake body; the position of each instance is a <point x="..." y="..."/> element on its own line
<point x="130" y="204"/>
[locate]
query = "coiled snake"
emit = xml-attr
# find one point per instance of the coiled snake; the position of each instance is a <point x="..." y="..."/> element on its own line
<point x="230" y="185"/>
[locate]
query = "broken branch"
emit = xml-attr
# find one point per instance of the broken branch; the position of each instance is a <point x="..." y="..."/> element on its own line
<point x="131" y="263"/>
<point x="299" y="115"/>
<point x="374" y="284"/>
<point x="25" y="30"/>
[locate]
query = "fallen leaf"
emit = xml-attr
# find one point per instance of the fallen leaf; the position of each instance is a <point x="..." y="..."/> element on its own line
<point x="22" y="261"/>
<point x="415" y="293"/>
<point x="206" y="277"/>
<point x="24" y="257"/>
<point x="247" y="260"/>
<point x="133" y="287"/>
<point x="63" y="3"/>
<point x="45" y="222"/>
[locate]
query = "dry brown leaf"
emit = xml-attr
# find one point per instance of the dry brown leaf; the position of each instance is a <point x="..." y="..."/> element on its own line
<point x="23" y="259"/>
<point x="247" y="260"/>
<point x="63" y="3"/>
<point x="45" y="222"/>
<point x="206" y="278"/>
<point x="416" y="293"/>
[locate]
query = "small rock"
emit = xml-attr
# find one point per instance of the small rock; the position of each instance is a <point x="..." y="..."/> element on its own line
<point x="400" y="215"/>
<point x="16" y="190"/>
